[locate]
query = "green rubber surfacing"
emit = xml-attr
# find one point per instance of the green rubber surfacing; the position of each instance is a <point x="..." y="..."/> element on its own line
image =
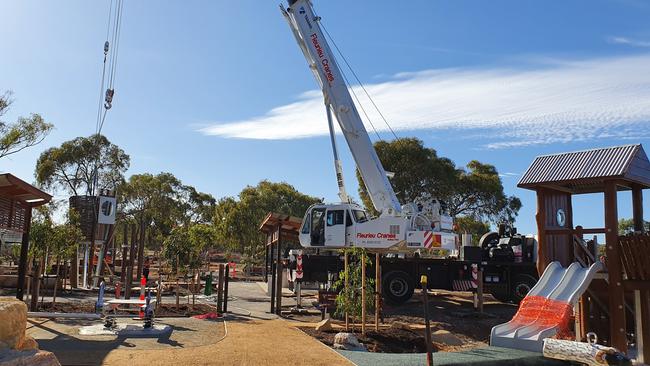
<point x="479" y="356"/>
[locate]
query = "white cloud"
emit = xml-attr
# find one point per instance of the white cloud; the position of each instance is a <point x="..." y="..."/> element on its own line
<point x="557" y="102"/>
<point x="628" y="41"/>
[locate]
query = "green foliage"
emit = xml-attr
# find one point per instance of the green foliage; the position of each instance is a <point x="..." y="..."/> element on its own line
<point x="71" y="166"/>
<point x="236" y="220"/>
<point x="626" y="226"/>
<point x="185" y="246"/>
<point x="162" y="202"/>
<point x="24" y="133"/>
<point x="469" y="225"/>
<point x="57" y="240"/>
<point x="475" y="191"/>
<point x="348" y="300"/>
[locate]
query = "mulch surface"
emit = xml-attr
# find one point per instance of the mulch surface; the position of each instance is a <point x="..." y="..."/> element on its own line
<point x="384" y="341"/>
<point x="450" y="311"/>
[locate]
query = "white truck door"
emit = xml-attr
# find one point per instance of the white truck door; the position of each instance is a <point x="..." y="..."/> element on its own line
<point x="335" y="228"/>
<point x="350" y="229"/>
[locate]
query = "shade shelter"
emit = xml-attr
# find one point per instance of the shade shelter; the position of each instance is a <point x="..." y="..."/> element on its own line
<point x="279" y="230"/>
<point x="555" y="179"/>
<point x="17" y="198"/>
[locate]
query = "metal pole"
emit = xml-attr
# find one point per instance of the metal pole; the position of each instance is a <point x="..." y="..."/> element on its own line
<point x="427" y="335"/>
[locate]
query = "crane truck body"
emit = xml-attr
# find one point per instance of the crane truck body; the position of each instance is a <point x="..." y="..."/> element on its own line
<point x="405" y="229"/>
<point x="416" y="225"/>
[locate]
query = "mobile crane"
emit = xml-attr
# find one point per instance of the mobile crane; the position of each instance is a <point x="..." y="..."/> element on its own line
<point x="415" y="225"/>
<point x="404" y="229"/>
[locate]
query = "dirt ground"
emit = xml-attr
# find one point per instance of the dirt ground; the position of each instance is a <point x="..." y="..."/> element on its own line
<point x="248" y="342"/>
<point x="164" y="310"/>
<point x="448" y="311"/>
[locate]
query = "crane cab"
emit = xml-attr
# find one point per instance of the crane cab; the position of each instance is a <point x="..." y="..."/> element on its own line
<point x="348" y="224"/>
<point x="331" y="225"/>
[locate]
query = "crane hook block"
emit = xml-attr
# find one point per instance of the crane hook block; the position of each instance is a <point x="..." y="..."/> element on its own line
<point x="106" y="47"/>
<point x="109" y="98"/>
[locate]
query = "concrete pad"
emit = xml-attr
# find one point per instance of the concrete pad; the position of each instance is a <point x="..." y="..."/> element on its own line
<point x="63" y="338"/>
<point x="127" y="330"/>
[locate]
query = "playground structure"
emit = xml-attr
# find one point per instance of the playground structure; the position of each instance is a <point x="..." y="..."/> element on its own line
<point x="546" y="310"/>
<point x="555" y="179"/>
<point x="17" y="199"/>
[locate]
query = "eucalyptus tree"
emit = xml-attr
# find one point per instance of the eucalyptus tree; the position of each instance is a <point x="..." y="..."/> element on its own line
<point x="82" y="166"/>
<point x="237" y="219"/>
<point x="473" y="191"/>
<point x="25" y="132"/>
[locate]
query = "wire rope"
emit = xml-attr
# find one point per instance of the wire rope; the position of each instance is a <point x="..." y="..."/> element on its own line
<point x="338" y="50"/>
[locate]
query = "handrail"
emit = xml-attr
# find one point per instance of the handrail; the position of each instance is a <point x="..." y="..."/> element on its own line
<point x="581" y="252"/>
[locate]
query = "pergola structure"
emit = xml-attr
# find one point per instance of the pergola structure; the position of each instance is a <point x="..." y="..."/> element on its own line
<point x="556" y="178"/>
<point x="279" y="229"/>
<point x="17" y="198"/>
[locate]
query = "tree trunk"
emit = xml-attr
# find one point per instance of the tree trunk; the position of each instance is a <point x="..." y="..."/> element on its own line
<point x="56" y="280"/>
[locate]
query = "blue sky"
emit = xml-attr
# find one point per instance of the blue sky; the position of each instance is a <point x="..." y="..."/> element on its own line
<point x="219" y="94"/>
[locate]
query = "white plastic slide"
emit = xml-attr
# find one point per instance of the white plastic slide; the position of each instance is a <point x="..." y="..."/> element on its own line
<point x="560" y="284"/>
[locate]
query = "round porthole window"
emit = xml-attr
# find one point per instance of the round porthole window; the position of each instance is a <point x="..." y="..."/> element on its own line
<point x="560" y="217"/>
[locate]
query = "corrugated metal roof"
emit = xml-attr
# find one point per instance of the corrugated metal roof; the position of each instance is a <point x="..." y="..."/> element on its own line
<point x="589" y="165"/>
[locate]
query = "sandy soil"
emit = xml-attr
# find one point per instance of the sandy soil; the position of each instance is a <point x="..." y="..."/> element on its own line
<point x="271" y="342"/>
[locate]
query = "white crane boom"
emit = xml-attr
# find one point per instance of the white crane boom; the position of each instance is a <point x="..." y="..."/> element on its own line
<point x="308" y="33"/>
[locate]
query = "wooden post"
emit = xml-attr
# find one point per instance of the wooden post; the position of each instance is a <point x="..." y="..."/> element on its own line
<point x="345" y="281"/>
<point x="225" y="288"/>
<point x="616" y="293"/>
<point x="479" y="290"/>
<point x="377" y="299"/>
<point x="91" y="247"/>
<point x="645" y="324"/>
<point x="638" y="327"/>
<point x="278" y="275"/>
<point x="24" y="253"/>
<point x="637" y="208"/>
<point x="540" y="217"/>
<point x="129" y="269"/>
<point x="427" y="324"/>
<point x="125" y="253"/>
<point x="74" y="269"/>
<point x="273" y="282"/>
<point x="266" y="260"/>
<point x="35" y="287"/>
<point x="363" y="293"/>
<point x="220" y="289"/>
<point x="178" y="285"/>
<point x="143" y="227"/>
